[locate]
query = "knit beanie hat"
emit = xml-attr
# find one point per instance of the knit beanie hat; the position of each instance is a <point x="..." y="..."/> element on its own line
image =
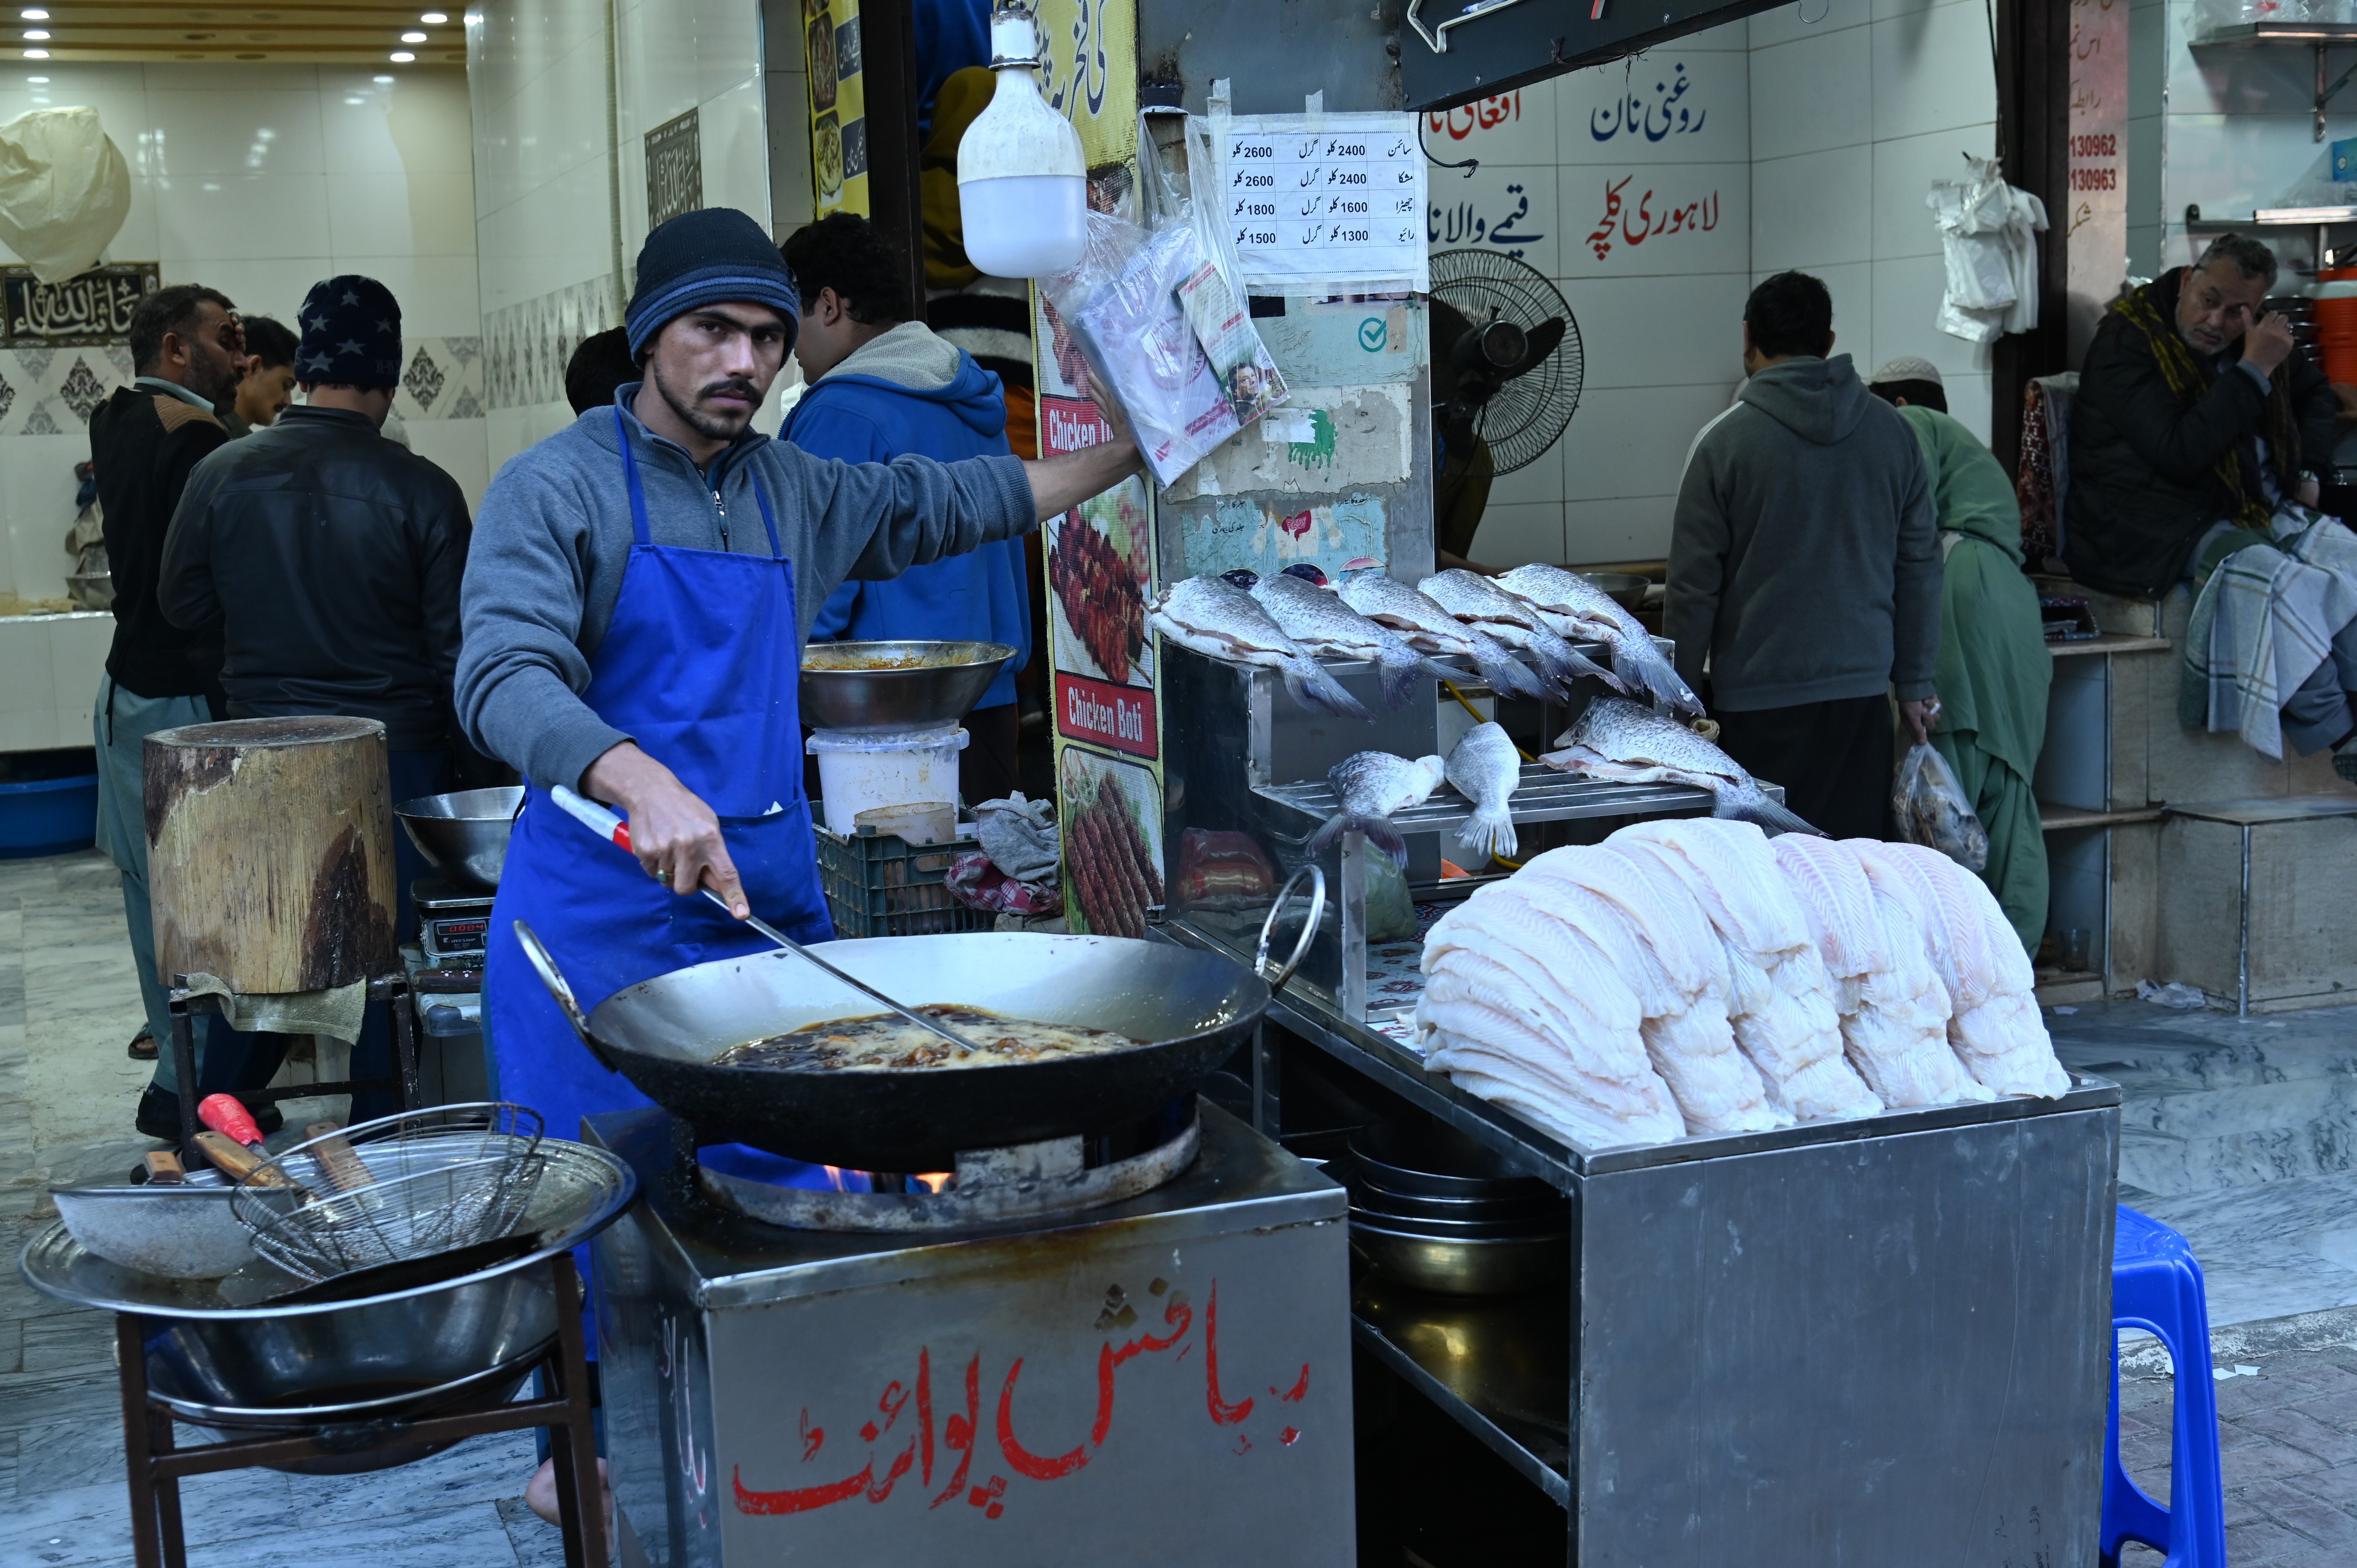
<point x="351" y="334"/>
<point x="1907" y="368"/>
<point x="707" y="258"/>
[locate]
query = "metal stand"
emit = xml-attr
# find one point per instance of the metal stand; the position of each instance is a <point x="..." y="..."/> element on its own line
<point x="392" y="990"/>
<point x="156" y="1464"/>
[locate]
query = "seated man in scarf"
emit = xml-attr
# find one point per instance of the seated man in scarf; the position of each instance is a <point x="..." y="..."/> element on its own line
<point x="2197" y="423"/>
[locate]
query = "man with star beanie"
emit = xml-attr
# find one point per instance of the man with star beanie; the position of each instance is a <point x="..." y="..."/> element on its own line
<point x="331" y="558"/>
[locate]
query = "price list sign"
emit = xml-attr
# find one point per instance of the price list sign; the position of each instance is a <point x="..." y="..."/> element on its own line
<point x="1339" y="200"/>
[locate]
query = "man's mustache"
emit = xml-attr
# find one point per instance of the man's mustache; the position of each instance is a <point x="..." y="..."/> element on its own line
<point x="741" y="386"/>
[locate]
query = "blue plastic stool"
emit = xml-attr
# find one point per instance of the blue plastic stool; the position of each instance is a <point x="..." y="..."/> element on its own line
<point x="2156" y="1286"/>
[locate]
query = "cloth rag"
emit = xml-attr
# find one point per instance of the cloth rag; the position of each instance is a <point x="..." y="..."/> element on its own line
<point x="1016" y="872"/>
<point x="2263" y="623"/>
<point x="336" y="1011"/>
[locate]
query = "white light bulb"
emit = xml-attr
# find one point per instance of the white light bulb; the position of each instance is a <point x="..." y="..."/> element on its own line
<point x="433" y="18"/>
<point x="37" y="54"/>
<point x="37" y="33"/>
<point x="382" y="81"/>
<point x="39" y="81"/>
<point x="402" y="57"/>
<point x="1022" y="177"/>
<point x="35" y="14"/>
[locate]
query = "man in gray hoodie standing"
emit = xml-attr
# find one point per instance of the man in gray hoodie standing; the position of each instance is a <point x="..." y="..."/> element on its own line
<point x="1804" y="568"/>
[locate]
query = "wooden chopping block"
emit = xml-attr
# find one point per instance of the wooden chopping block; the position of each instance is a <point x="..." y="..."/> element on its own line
<point x="270" y="852"/>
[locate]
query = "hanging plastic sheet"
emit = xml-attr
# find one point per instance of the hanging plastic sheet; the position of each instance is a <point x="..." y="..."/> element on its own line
<point x="64" y="190"/>
<point x="1988" y="236"/>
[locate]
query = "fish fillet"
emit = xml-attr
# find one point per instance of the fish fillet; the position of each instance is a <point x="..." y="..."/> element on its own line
<point x="1894" y="1010"/>
<point x="1523" y="1009"/>
<point x="1779" y="1000"/>
<point x="1994" y="1026"/>
<point x="1662" y="932"/>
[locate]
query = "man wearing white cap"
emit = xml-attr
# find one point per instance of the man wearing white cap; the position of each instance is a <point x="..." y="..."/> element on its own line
<point x="1993" y="668"/>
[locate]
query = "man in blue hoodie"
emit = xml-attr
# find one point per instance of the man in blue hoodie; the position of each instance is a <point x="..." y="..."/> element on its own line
<point x="883" y="386"/>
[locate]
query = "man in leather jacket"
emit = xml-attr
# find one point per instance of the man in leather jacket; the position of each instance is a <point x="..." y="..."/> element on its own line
<point x="331" y="558"/>
<point x="2195" y="411"/>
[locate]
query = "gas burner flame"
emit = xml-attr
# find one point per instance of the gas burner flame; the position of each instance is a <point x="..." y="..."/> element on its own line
<point x="932" y="1181"/>
<point x="835" y="1178"/>
<point x="925" y="1181"/>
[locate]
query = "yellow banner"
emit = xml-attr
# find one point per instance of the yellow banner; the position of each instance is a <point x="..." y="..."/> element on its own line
<point x="1091" y="76"/>
<point x="838" y="105"/>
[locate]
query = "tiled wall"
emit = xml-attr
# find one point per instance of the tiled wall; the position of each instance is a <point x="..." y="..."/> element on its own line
<point x="564" y="91"/>
<point x="260" y="180"/>
<point x="1854" y="114"/>
<point x="1805" y="137"/>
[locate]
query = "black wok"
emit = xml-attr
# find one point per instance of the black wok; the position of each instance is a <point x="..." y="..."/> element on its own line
<point x="1193" y="1009"/>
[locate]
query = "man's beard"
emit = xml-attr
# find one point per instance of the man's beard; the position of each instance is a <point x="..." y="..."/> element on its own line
<point x="711" y="426"/>
<point x="214" y="383"/>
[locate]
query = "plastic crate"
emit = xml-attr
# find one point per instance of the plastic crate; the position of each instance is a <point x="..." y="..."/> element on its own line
<point x="880" y="885"/>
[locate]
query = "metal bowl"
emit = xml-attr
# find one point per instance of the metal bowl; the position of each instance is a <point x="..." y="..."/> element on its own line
<point x="1438" y="1162"/>
<point x="182" y="1232"/>
<point x="1499" y="1229"/>
<point x="1481" y="1266"/>
<point x="469" y="1343"/>
<point x="887" y="688"/>
<point x="1538" y="1208"/>
<point x="464" y="835"/>
<point x="1624" y="588"/>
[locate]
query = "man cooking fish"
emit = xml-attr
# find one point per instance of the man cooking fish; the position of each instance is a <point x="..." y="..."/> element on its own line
<point x="634" y="609"/>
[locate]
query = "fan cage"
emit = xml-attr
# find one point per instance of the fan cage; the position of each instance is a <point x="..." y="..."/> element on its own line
<point x="1529" y="414"/>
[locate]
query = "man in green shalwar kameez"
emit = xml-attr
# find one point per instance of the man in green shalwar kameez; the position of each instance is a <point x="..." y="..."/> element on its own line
<point x="1994" y="666"/>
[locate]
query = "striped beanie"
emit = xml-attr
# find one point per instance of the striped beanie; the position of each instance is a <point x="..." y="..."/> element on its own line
<point x="705" y="258"/>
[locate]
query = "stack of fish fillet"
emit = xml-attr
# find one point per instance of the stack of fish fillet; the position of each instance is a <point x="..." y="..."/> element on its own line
<point x="1694" y="976"/>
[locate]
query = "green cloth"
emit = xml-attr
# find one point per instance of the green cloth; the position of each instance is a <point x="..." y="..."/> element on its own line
<point x="2001" y="797"/>
<point x="1993" y="667"/>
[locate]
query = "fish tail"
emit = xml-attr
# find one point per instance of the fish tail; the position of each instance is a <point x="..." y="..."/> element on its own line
<point x="1379" y="832"/>
<point x="1753" y="806"/>
<point x="1562" y="664"/>
<point x="1641" y="668"/>
<point x="1398" y="671"/>
<point x="1435" y="669"/>
<point x="1313" y="687"/>
<point x="1489" y="832"/>
<point x="1509" y="675"/>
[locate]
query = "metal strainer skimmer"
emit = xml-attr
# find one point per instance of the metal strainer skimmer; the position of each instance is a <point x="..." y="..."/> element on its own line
<point x="402" y="1186"/>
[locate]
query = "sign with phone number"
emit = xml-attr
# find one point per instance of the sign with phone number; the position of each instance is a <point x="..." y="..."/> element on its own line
<point x="1338" y="198"/>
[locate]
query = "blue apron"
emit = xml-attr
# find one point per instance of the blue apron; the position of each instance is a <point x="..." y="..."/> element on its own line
<point x="701" y="665"/>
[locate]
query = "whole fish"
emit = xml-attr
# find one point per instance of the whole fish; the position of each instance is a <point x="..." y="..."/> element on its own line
<point x="1316" y="618"/>
<point x="1484" y="768"/>
<point x="1426" y="625"/>
<point x="1479" y="602"/>
<point x="1221" y="620"/>
<point x="1619" y="741"/>
<point x="1372" y="785"/>
<point x="1578" y="607"/>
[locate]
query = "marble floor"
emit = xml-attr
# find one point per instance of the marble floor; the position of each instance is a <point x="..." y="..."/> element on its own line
<point x="2242" y="1135"/>
<point x="69" y="1004"/>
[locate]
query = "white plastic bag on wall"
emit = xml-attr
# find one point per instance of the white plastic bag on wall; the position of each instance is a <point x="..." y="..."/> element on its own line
<point x="64" y="190"/>
<point x="1988" y="236"/>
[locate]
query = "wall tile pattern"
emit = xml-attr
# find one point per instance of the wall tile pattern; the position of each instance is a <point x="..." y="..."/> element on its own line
<point x="528" y="345"/>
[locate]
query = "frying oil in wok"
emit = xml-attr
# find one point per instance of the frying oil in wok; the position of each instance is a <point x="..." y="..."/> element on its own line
<point x="883" y="1041"/>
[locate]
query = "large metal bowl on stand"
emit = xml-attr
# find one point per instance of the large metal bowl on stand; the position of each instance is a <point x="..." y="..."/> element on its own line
<point x="464" y="835"/>
<point x="894" y="688"/>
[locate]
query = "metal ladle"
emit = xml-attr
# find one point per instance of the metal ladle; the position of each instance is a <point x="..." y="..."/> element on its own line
<point x="608" y="826"/>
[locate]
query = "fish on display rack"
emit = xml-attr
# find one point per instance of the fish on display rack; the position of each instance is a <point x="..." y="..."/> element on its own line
<point x="1619" y="742"/>
<point x="1577" y="608"/>
<point x="1482" y="604"/>
<point x="1370" y="786"/>
<point x="1484" y="767"/>
<point x="1316" y="618"/>
<point x="1426" y="625"/>
<point x="1221" y="620"/>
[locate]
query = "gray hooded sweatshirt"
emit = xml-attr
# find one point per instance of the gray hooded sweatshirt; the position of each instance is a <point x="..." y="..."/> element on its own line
<point x="545" y="568"/>
<point x="1804" y="559"/>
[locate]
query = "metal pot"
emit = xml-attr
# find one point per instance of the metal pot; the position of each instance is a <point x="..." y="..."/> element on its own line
<point x="1192" y="1009"/>
<point x="432" y="1352"/>
<point x="464" y="835"/>
<point x="181" y="1231"/>
<point x="1488" y="1266"/>
<point x="889" y="688"/>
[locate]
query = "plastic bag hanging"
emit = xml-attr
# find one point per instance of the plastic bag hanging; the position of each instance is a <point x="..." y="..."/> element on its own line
<point x="64" y="190"/>
<point x="1988" y="234"/>
<point x="1932" y="810"/>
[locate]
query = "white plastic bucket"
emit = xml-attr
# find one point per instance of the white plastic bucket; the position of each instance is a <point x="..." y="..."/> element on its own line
<point x="862" y="772"/>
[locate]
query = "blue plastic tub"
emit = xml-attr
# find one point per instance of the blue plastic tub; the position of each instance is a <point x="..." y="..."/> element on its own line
<point x="47" y="816"/>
